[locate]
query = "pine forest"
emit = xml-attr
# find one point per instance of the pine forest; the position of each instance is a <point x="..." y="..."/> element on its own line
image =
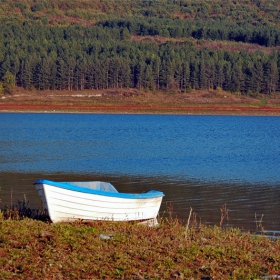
<point x="169" y="45"/>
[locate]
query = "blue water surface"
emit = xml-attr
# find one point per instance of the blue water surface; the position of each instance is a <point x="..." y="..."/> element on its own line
<point x="207" y="148"/>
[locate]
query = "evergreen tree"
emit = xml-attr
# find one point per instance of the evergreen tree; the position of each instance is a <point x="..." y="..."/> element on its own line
<point x="237" y="82"/>
<point x="271" y="76"/>
<point x="8" y="82"/>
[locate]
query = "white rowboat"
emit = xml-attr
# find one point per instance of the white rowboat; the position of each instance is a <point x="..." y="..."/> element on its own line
<point x="69" y="201"/>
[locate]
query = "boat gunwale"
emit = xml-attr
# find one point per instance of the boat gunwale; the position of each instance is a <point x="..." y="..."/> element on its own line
<point x="147" y="195"/>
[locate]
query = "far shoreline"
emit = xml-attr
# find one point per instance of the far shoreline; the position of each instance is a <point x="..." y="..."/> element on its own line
<point x="196" y="113"/>
<point x="132" y="101"/>
<point x="273" y="112"/>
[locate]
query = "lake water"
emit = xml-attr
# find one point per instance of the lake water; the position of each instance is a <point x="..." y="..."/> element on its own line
<point x="200" y="162"/>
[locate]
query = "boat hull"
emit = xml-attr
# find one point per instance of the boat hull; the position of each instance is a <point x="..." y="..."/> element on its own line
<point x="69" y="205"/>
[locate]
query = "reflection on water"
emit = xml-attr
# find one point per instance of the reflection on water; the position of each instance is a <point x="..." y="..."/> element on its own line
<point x="244" y="202"/>
<point x="200" y="162"/>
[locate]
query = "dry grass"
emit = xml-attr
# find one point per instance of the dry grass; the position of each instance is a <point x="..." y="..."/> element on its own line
<point x="136" y="101"/>
<point x="33" y="249"/>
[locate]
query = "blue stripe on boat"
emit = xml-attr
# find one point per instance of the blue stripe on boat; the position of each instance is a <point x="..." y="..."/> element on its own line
<point x="64" y="185"/>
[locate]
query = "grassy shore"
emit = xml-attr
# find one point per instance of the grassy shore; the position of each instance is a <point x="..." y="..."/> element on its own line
<point x="34" y="249"/>
<point x="211" y="102"/>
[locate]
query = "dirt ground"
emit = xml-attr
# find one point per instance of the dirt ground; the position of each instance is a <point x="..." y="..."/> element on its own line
<point x="136" y="101"/>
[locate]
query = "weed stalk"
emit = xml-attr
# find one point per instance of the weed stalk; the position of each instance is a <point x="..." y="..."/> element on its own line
<point x="224" y="214"/>
<point x="188" y="223"/>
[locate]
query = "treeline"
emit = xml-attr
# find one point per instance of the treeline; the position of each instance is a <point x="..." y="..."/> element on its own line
<point x="80" y="58"/>
<point x="208" y="30"/>
<point x="144" y="44"/>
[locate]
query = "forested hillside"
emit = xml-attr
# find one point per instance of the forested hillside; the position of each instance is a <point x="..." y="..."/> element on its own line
<point x="174" y="45"/>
